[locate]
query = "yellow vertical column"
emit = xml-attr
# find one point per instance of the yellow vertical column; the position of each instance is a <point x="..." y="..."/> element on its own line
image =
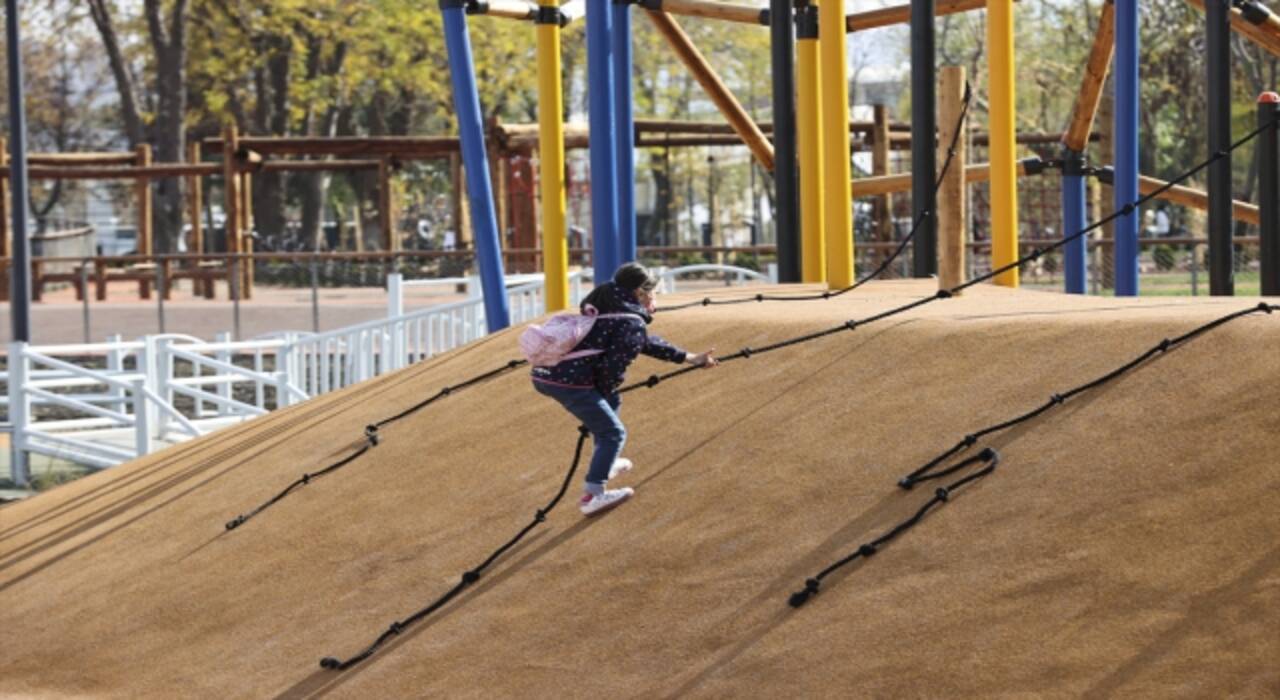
<point x="809" y="124"/>
<point x="837" y="183"/>
<point x="1004" y="167"/>
<point x="555" y="249"/>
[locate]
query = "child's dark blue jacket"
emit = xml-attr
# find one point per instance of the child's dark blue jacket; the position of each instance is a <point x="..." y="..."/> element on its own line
<point x="621" y="340"/>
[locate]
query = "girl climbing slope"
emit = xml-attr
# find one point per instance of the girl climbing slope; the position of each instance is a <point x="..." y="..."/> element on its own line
<point x="586" y="381"/>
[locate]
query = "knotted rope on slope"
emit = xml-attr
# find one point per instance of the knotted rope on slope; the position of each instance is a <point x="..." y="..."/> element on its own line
<point x="468" y="577"/>
<point x="930" y="472"/>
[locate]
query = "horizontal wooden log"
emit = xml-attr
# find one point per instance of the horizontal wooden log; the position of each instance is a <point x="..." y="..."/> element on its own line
<point x="511" y="9"/>
<point x="729" y="12"/>
<point x="87" y="158"/>
<point x="129" y="172"/>
<point x="887" y="184"/>
<point x="403" y="147"/>
<point x="901" y="14"/>
<point x="1197" y="199"/>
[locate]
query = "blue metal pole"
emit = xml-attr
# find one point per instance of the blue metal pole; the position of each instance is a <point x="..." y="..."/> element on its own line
<point x="1126" y="146"/>
<point x="484" y="221"/>
<point x="1073" y="221"/>
<point x="603" y="146"/>
<point x="626" y="163"/>
<point x="20" y="291"/>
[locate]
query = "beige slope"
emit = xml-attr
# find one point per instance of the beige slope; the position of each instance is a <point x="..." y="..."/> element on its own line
<point x="1128" y="543"/>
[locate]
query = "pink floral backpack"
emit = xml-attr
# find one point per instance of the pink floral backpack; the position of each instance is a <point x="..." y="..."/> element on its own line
<point x="553" y="342"/>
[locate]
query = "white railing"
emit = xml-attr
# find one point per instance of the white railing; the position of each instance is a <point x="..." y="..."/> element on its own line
<point x="740" y="274"/>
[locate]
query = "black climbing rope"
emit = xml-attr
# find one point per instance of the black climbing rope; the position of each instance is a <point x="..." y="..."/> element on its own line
<point x="941" y="495"/>
<point x="468" y="577"/>
<point x="371" y="441"/>
<point x="930" y="472"/>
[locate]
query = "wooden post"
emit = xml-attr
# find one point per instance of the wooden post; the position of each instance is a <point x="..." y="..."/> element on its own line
<point x="1106" y="267"/>
<point x="231" y="204"/>
<point x="246" y="227"/>
<point x="951" y="195"/>
<point x="143" y="197"/>
<point x="386" y="221"/>
<point x="880" y="146"/>
<point x="5" y="249"/>
<point x="195" y="202"/>
<point x="461" y="208"/>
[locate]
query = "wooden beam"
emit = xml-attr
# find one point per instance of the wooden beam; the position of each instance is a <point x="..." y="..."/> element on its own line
<point x="195" y="201"/>
<point x="729" y="12"/>
<point x="125" y="158"/>
<point x="403" y="147"/>
<point x="129" y="172"/>
<point x="1095" y="74"/>
<point x="901" y="14"/>
<point x="880" y="144"/>
<point x="715" y="89"/>
<point x="1265" y="34"/>
<point x="1198" y="199"/>
<point x="142" y="195"/>
<point x="901" y="182"/>
<point x="952" y="219"/>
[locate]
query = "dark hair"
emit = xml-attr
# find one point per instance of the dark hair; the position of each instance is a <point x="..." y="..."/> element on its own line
<point x="634" y="276"/>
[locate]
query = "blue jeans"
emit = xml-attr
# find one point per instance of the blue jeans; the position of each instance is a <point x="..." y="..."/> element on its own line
<point x="600" y="414"/>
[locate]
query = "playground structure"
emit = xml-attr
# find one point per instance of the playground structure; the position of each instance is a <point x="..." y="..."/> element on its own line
<point x="823" y="112"/>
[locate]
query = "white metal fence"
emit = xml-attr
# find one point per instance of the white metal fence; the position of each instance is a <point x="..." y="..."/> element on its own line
<point x="102" y="404"/>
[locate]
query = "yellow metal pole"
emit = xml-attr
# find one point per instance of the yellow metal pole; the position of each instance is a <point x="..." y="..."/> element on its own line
<point x="809" y="123"/>
<point x="1004" y="173"/>
<point x="837" y="201"/>
<point x="555" y="248"/>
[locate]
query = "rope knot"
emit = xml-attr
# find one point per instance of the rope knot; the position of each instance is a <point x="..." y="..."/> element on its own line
<point x="1057" y="399"/>
<point x="867" y="550"/>
<point x="396" y="627"/>
<point x="988" y="454"/>
<point x="801" y="597"/>
<point x="540" y="516"/>
<point x="306" y="479"/>
<point x="851" y="324"/>
<point x="470" y="577"/>
<point x="514" y="364"/>
<point x="652" y="381"/>
<point x="746" y="353"/>
<point x="233" y="524"/>
<point x="1164" y="345"/>
<point x="941" y="494"/>
<point x="905" y="483"/>
<point x="706" y="301"/>
<point x="584" y="430"/>
<point x="826" y="294"/>
<point x="330" y="663"/>
<point x="944" y="294"/>
<point x="1036" y="253"/>
<point x="371" y="432"/>
<point x="1127" y="209"/>
<point x="446" y="391"/>
<point x="969" y="440"/>
<point x="1264" y="306"/>
<point x="759" y="297"/>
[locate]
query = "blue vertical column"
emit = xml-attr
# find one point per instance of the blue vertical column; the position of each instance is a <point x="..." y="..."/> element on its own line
<point x="604" y="140"/>
<point x="626" y="155"/>
<point x="1075" y="252"/>
<point x="1126" y="146"/>
<point x="484" y="221"/>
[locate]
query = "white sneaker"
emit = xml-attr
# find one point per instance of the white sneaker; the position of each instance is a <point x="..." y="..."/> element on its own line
<point x="621" y="465"/>
<point x="590" y="505"/>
